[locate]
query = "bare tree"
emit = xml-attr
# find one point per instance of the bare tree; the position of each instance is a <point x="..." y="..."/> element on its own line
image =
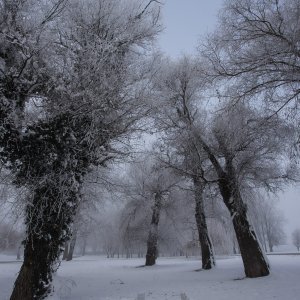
<point x="178" y="84"/>
<point x="296" y="238"/>
<point x="150" y="186"/>
<point x="239" y="144"/>
<point x="255" y="49"/>
<point x="246" y="153"/>
<point x="85" y="88"/>
<point x="268" y="222"/>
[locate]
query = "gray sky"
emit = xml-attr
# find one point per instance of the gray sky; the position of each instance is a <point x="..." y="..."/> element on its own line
<point x="185" y="22"/>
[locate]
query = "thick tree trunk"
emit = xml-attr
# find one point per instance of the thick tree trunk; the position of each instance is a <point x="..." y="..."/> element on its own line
<point x="152" y="250"/>
<point x="255" y="264"/>
<point x="35" y="276"/>
<point x="72" y="245"/>
<point x="207" y="254"/>
<point x="253" y="258"/>
<point x="254" y="261"/>
<point x="47" y="230"/>
<point x="23" y="288"/>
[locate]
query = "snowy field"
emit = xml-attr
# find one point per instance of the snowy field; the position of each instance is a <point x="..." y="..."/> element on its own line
<point x="93" y="278"/>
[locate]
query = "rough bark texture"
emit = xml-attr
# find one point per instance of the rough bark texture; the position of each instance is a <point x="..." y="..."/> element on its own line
<point x="253" y="258"/>
<point x="152" y="249"/>
<point x="23" y="285"/>
<point x="33" y="279"/>
<point x="255" y="264"/>
<point x="47" y="232"/>
<point x="47" y="152"/>
<point x="206" y="247"/>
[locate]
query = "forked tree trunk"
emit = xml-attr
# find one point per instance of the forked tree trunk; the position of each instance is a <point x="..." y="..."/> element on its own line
<point x="207" y="254"/>
<point x="152" y="249"/>
<point x="255" y="264"/>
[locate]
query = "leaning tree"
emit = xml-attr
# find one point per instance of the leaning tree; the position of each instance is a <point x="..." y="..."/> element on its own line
<point x="246" y="150"/>
<point x="238" y="145"/>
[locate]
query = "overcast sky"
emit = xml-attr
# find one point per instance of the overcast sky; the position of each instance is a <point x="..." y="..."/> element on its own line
<point x="185" y="21"/>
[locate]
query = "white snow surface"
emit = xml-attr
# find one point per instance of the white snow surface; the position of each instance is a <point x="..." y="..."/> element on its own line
<point x="98" y="278"/>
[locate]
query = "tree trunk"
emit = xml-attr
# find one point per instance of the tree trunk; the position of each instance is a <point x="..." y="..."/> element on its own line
<point x="208" y="260"/>
<point x="255" y="264"/>
<point x="254" y="261"/>
<point x="47" y="230"/>
<point x="271" y="247"/>
<point x="234" y="250"/>
<point x="72" y="245"/>
<point x="19" y="252"/>
<point x="83" y="249"/>
<point x="35" y="276"/>
<point x="66" y="251"/>
<point x="153" y="233"/>
<point x="23" y="287"/>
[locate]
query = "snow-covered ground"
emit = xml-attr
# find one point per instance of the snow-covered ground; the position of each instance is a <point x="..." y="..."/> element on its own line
<point x="98" y="278"/>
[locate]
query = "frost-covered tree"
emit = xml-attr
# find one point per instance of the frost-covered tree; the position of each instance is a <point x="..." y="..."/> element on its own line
<point x="238" y="145"/>
<point x="255" y="51"/>
<point x="296" y="238"/>
<point x="268" y="222"/>
<point x="78" y="64"/>
<point x="177" y="88"/>
<point x="246" y="150"/>
<point x="149" y="191"/>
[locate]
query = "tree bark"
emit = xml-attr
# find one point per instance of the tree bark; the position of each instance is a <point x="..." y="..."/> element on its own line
<point x="35" y="276"/>
<point x="152" y="250"/>
<point x="48" y="219"/>
<point x="255" y="264"/>
<point x="207" y="254"/>
<point x="45" y="237"/>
